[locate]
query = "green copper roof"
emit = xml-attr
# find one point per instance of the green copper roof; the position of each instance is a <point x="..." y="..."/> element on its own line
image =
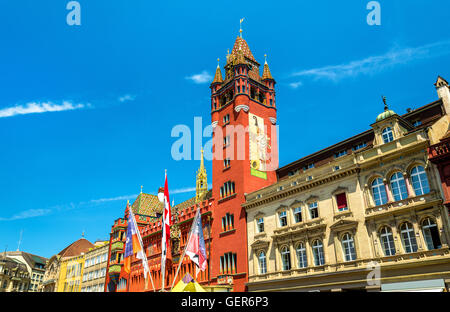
<point x="385" y="114"/>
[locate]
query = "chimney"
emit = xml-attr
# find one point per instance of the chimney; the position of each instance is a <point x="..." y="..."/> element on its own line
<point x="443" y="93"/>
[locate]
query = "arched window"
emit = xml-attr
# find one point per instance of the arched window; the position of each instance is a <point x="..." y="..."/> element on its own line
<point x="387" y="135"/>
<point x="387" y="241"/>
<point x="431" y="234"/>
<point x="379" y="192"/>
<point x="348" y="247"/>
<point x="420" y="180"/>
<point x="286" y="258"/>
<point x="398" y="186"/>
<point x="318" y="253"/>
<point x="408" y="237"/>
<point x="262" y="263"/>
<point x="302" y="261"/>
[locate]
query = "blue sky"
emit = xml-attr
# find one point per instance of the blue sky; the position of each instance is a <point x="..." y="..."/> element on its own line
<point x="110" y="91"/>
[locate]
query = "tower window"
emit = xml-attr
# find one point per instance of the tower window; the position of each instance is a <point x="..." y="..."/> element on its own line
<point x="227" y="189"/>
<point x="226" y="119"/>
<point x="228" y="263"/>
<point x="226" y="141"/>
<point x="226" y="163"/>
<point x="271" y="102"/>
<point x="228" y="222"/>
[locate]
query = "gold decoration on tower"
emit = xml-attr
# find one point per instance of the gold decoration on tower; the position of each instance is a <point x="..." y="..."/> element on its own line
<point x="202" y="182"/>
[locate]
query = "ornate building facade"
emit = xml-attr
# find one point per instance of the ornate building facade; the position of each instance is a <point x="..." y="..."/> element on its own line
<point x="14" y="275"/>
<point x="364" y="214"/>
<point x="54" y="277"/>
<point x="94" y="272"/>
<point x="35" y="266"/>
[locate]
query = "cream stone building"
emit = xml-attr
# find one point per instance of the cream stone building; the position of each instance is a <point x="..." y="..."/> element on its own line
<point x="35" y="266"/>
<point x="95" y="268"/>
<point x="14" y="275"/>
<point x="364" y="214"/>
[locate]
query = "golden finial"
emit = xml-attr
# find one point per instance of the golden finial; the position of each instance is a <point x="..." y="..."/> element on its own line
<point x="141" y="188"/>
<point x="265" y="58"/>
<point x="218" y="64"/>
<point x="240" y="25"/>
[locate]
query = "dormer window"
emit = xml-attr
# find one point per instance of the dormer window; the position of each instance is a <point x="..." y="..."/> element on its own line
<point x="387" y="134"/>
<point x="226" y="119"/>
<point x="340" y="154"/>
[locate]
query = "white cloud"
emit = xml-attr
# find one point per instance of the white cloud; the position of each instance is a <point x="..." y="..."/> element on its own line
<point x="295" y="85"/>
<point x="374" y="64"/>
<point x="127" y="97"/>
<point x="103" y="200"/>
<point x="203" y="77"/>
<point x="37" y="107"/>
<point x="182" y="190"/>
<point x="31" y="213"/>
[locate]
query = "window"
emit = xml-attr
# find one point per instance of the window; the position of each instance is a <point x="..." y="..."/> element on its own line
<point x="313" y="210"/>
<point x="298" y="214"/>
<point x="286" y="258"/>
<point x="302" y="260"/>
<point x="336" y="168"/>
<point x="228" y="222"/>
<point x="408" y="237"/>
<point x="226" y="140"/>
<point x="379" y="192"/>
<point x="348" y="247"/>
<point x="341" y="200"/>
<point x="309" y="178"/>
<point x="387" y="135"/>
<point x="318" y="253"/>
<point x="228" y="263"/>
<point x="262" y="263"/>
<point x="292" y="172"/>
<point x="359" y="146"/>
<point x="387" y="241"/>
<point x="227" y="189"/>
<point x="398" y="186"/>
<point x="420" y="181"/>
<point x="226" y="119"/>
<point x="431" y="234"/>
<point x="271" y="102"/>
<point x="260" y="225"/>
<point x="340" y="154"/>
<point x="283" y="218"/>
<point x="417" y="123"/>
<point x="226" y="163"/>
<point x="310" y="166"/>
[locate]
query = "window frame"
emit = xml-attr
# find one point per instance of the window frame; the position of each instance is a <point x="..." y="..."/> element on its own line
<point x="387" y="135"/>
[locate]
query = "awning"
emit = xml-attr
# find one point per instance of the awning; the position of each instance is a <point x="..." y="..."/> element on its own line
<point x="435" y="285"/>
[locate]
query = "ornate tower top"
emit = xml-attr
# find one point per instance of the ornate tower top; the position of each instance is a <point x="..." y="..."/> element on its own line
<point x="202" y="182"/>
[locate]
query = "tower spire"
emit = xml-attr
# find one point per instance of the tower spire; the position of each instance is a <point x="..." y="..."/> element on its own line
<point x="218" y="76"/>
<point x="202" y="182"/>
<point x="266" y="71"/>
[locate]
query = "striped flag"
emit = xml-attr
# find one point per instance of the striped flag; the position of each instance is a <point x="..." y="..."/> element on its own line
<point x="195" y="248"/>
<point x="134" y="245"/>
<point x="166" y="227"/>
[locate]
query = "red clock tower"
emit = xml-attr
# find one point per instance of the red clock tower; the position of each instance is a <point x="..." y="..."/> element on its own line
<point x="245" y="156"/>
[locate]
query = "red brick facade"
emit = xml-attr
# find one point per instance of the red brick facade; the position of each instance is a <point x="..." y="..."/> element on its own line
<point x="243" y="92"/>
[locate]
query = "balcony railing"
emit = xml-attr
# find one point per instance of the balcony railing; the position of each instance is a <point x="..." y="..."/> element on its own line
<point x="407" y="203"/>
<point x="439" y="149"/>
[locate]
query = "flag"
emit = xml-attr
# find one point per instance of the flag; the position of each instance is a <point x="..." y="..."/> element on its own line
<point x="195" y="248"/>
<point x="134" y="245"/>
<point x="166" y="226"/>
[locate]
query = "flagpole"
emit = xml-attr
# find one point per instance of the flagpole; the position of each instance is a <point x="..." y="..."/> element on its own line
<point x="185" y="247"/>
<point x="163" y="257"/>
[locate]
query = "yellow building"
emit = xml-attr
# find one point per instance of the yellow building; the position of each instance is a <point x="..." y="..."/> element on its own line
<point x="70" y="274"/>
<point x="53" y="269"/>
<point x="364" y="214"/>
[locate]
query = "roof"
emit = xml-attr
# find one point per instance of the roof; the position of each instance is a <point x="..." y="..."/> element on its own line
<point x="147" y="204"/>
<point x="241" y="44"/>
<point x="218" y="76"/>
<point x="266" y="72"/>
<point x="76" y="248"/>
<point x="387" y="113"/>
<point x="190" y="202"/>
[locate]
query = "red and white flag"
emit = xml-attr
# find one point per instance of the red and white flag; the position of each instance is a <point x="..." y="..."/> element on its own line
<point x="166" y="227"/>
